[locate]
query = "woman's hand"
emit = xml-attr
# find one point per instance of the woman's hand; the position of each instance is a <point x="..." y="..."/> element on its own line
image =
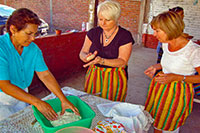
<point x="50" y="114"/>
<point x="88" y="57"/>
<point x="167" y="78"/>
<point x="150" y="71"/>
<point x="46" y="110"/>
<point x="97" y="60"/>
<point x="68" y="105"/>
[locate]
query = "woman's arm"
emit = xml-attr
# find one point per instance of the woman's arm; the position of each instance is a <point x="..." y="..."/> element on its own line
<point x="193" y="78"/>
<point x="21" y="95"/>
<point x="84" y="53"/>
<point x="50" y="82"/>
<point x="17" y="92"/>
<point x="121" y="61"/>
<point x="167" y="78"/>
<point x="150" y="71"/>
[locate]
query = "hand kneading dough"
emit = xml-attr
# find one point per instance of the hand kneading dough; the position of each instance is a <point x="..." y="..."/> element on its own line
<point x="90" y="57"/>
<point x="68" y="117"/>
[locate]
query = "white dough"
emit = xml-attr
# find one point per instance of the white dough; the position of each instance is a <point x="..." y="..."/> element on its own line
<point x="68" y="117"/>
<point x="90" y="57"/>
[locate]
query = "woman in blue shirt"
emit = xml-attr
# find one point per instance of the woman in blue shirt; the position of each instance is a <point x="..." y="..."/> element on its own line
<point x="19" y="59"/>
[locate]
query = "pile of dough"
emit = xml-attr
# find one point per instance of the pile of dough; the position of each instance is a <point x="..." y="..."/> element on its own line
<point x="68" y="117"/>
<point x="90" y="57"/>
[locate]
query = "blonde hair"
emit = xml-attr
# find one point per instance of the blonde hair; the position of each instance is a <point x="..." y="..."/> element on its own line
<point x="109" y="9"/>
<point x="169" y="22"/>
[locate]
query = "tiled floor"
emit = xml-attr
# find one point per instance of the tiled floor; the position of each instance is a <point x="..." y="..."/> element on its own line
<point x="140" y="59"/>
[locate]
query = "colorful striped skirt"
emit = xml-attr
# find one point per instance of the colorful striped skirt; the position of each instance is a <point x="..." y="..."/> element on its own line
<point x="111" y="82"/>
<point x="169" y="104"/>
<point x="196" y="87"/>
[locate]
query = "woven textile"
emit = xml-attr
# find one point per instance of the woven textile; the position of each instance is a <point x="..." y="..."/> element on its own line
<point x="111" y="82"/>
<point x="169" y="104"/>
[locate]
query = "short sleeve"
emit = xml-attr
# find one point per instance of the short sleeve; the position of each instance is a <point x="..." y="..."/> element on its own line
<point x="90" y="34"/>
<point x="40" y="64"/>
<point x="4" y="74"/>
<point x="195" y="57"/>
<point x="126" y="38"/>
<point x="94" y="34"/>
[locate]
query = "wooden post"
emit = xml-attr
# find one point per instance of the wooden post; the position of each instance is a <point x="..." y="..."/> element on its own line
<point x="95" y="13"/>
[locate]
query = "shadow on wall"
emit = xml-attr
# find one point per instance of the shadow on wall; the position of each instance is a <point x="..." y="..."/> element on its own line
<point x="61" y="54"/>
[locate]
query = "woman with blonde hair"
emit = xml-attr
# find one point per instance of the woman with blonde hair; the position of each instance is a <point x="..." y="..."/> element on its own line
<point x="170" y="94"/>
<point x="106" y="50"/>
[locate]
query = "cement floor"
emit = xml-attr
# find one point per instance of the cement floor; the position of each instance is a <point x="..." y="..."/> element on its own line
<point x="138" y="82"/>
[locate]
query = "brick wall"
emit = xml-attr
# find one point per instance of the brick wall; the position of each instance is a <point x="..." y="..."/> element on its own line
<point x="69" y="14"/>
<point x="191" y="12"/>
<point x="66" y="14"/>
<point x="149" y="41"/>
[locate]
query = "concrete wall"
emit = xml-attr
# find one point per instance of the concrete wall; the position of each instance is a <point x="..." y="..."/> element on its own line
<point x="191" y="12"/>
<point x="69" y="14"/>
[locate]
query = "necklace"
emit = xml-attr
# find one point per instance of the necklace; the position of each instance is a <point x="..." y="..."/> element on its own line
<point x="108" y="37"/>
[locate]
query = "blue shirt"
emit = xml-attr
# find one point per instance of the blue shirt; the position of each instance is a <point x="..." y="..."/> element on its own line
<point x="159" y="46"/>
<point x="19" y="69"/>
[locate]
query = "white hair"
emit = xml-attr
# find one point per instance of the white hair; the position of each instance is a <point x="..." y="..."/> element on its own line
<point x="109" y="9"/>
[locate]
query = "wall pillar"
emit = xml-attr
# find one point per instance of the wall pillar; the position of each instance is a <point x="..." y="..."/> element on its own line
<point x="91" y="17"/>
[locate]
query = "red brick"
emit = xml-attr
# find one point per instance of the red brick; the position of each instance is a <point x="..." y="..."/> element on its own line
<point x="149" y="41"/>
<point x="69" y="14"/>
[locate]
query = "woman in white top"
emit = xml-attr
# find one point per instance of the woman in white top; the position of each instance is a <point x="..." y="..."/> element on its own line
<point x="170" y="94"/>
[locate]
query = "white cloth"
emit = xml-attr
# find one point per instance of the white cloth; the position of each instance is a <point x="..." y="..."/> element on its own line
<point x="183" y="61"/>
<point x="175" y="131"/>
<point x="9" y="105"/>
<point x="130" y="115"/>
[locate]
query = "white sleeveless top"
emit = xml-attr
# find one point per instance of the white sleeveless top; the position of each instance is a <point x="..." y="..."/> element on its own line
<point x="183" y="61"/>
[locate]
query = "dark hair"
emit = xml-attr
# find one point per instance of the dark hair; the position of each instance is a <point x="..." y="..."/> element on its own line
<point x="20" y="18"/>
<point x="176" y="9"/>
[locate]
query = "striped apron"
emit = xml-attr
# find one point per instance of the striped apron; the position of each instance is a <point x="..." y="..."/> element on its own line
<point x="169" y="104"/>
<point x="196" y="87"/>
<point x="111" y="82"/>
